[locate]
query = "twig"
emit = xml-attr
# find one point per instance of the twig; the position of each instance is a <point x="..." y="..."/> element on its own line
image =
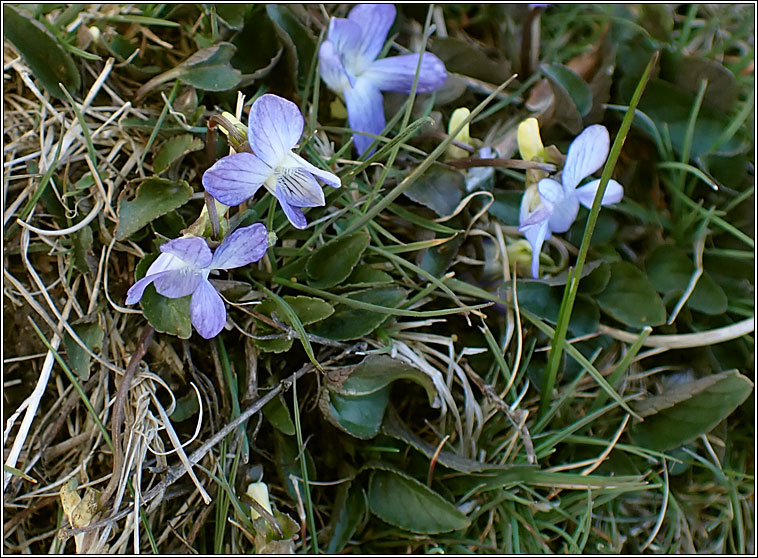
<point x="685" y="340"/>
<point x="118" y="411"/>
<point x="503" y="163"/>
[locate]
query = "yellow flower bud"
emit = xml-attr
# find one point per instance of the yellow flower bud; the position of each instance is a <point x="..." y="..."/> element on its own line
<point x="529" y="141"/>
<point x="458" y="116"/>
<point x="258" y="491"/>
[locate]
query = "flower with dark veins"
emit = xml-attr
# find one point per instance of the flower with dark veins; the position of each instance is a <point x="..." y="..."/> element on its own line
<point x="349" y="67"/>
<point x="274" y="128"/>
<point x="183" y="268"/>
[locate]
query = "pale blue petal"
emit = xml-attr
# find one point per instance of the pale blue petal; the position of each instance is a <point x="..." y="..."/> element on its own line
<point x="207" y="310"/>
<point x="192" y="250"/>
<point x="236" y="178"/>
<point x="300" y="188"/>
<point x="536" y="235"/>
<point x="325" y="176"/>
<point x="294" y="214"/>
<point x="613" y="193"/>
<point x="365" y="112"/>
<point x="135" y="292"/>
<point x="177" y="284"/>
<point x="275" y="126"/>
<point x="331" y="68"/>
<point x="345" y="36"/>
<point x="245" y="245"/>
<point x="165" y="262"/>
<point x="586" y="154"/>
<point x="551" y="191"/>
<point x="397" y="73"/>
<point x="564" y="208"/>
<point x="375" y="21"/>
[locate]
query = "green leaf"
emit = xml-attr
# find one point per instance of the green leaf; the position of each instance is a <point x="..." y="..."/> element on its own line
<point x="351" y="514"/>
<point x="360" y="416"/>
<point x="572" y="84"/>
<point x="669" y="270"/>
<point x="437" y="259"/>
<point x="233" y="15"/>
<point x="309" y="309"/>
<point x="689" y="409"/>
<point x="78" y="358"/>
<point x="166" y="315"/>
<point x="669" y="107"/>
<point x="42" y="52"/>
<point x="541" y="299"/>
<point x="275" y="345"/>
<point x="368" y="276"/>
<point x="153" y="197"/>
<point x="687" y="72"/>
<point x="186" y="407"/>
<point x="440" y="189"/>
<point x="332" y="263"/>
<point x="258" y="47"/>
<point x="374" y="373"/>
<point x="174" y="149"/>
<point x="299" y="42"/>
<point x="277" y="413"/>
<point x="82" y="244"/>
<point x="349" y="323"/>
<point x="464" y="57"/>
<point x="208" y="69"/>
<point x="393" y="426"/>
<point x="404" y="502"/>
<point x="630" y="298"/>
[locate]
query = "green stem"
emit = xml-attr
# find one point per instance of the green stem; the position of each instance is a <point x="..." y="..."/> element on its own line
<point x="572" y="284"/>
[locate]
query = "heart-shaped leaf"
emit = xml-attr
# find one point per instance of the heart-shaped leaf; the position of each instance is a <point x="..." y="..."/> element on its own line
<point x="78" y="358"/>
<point x="440" y="189"/>
<point x="349" y="322"/>
<point x="373" y="374"/>
<point x="208" y="69"/>
<point x="309" y="309"/>
<point x="334" y="261"/>
<point x="360" y="416"/>
<point x="572" y="84"/>
<point x="670" y="270"/>
<point x="630" y="298"/>
<point x="174" y="149"/>
<point x="689" y="409"/>
<point x="153" y="197"/>
<point x="404" y="502"/>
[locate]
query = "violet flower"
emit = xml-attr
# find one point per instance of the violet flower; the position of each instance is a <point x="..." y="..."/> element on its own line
<point x="350" y="68"/>
<point x="274" y="128"/>
<point x="557" y="204"/>
<point x="183" y="268"/>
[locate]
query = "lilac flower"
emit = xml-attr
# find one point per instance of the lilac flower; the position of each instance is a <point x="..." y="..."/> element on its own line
<point x="349" y="67"/>
<point x="183" y="268"/>
<point x="275" y="126"/>
<point x="554" y="207"/>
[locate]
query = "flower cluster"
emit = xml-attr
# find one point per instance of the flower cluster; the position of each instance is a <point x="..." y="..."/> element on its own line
<point x="350" y="68"/>
<point x="182" y="269"/>
<point x="550" y="206"/>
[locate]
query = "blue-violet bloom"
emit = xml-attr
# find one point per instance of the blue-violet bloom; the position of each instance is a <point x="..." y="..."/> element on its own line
<point x="554" y="206"/>
<point x="350" y="68"/>
<point x="183" y="268"/>
<point x="274" y="128"/>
